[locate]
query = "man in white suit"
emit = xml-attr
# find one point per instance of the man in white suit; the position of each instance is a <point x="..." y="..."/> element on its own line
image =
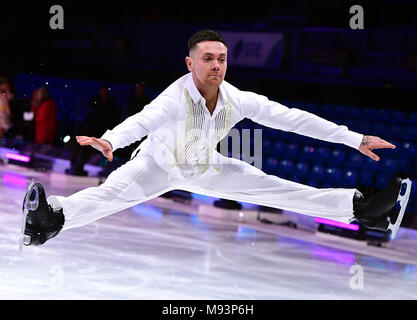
<point x="184" y="125"/>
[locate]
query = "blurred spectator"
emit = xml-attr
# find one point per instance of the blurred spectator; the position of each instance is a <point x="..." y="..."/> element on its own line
<point x="5" y="114"/>
<point x="138" y="101"/>
<point x="102" y="114"/>
<point x="45" y="115"/>
<point x="15" y="106"/>
<point x="136" y="104"/>
<point x="28" y="129"/>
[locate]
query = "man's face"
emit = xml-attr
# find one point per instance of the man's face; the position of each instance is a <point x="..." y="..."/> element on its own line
<point x="208" y="63"/>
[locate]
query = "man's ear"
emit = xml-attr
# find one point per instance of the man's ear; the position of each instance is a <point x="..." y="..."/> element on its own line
<point x="189" y="63"/>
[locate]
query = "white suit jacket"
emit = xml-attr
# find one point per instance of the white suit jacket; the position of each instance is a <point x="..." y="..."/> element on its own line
<point x="181" y="131"/>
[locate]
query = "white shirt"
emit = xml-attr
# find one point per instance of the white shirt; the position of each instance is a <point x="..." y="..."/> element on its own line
<point x="182" y="132"/>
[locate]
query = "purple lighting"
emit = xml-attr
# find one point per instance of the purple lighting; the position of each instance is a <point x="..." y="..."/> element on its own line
<point x="344" y="257"/>
<point x="354" y="227"/>
<point x="17" y="157"/>
<point x="14" y="179"/>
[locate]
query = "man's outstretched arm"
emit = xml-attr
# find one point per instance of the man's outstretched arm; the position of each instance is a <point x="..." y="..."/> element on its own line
<point x="156" y="114"/>
<point x="153" y="116"/>
<point x="272" y="114"/>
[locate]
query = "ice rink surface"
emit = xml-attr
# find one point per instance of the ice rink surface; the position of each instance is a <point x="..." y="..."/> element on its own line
<point x="146" y="252"/>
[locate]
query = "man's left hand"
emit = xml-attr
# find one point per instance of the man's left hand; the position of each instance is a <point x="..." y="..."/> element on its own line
<point x="370" y="142"/>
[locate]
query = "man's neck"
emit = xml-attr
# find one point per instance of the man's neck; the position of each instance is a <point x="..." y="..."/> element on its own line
<point x="209" y="93"/>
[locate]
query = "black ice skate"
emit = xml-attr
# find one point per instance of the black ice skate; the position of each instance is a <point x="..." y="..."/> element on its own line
<point x="40" y="221"/>
<point x="380" y="211"/>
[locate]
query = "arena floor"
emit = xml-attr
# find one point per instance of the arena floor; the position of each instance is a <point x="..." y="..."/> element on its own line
<point x="149" y="252"/>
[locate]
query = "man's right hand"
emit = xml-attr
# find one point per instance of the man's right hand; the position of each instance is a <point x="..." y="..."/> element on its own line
<point x="101" y="145"/>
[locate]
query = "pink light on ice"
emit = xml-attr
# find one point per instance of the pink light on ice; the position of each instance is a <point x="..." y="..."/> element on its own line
<point x="354" y="227"/>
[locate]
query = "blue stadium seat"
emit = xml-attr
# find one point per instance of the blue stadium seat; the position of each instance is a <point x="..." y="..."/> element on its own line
<point x="332" y="176"/>
<point x="389" y="164"/>
<point x="365" y="127"/>
<point x="267" y="148"/>
<point x="307" y="152"/>
<point x="380" y="130"/>
<point x="284" y="167"/>
<point x="398" y="116"/>
<point x="341" y="111"/>
<point x="383" y="115"/>
<point x="353" y="112"/>
<point x="411" y="133"/>
<point x="279" y="148"/>
<point x="368" y="114"/>
<point x="371" y="164"/>
<point x="268" y="133"/>
<point x="383" y="178"/>
<point x="270" y="165"/>
<point x="366" y="178"/>
<point x="301" y="169"/>
<point x="282" y="135"/>
<point x="406" y="149"/>
<point x="355" y="159"/>
<point x="292" y="150"/>
<point x="404" y="165"/>
<point x="317" y="172"/>
<point x="396" y="131"/>
<point x="412" y="118"/>
<point x="337" y="156"/>
<point x="323" y="154"/>
<point x="348" y="179"/>
<point x="327" y="110"/>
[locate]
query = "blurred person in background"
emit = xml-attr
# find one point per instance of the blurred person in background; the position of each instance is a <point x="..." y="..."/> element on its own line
<point x="102" y="112"/>
<point x="16" y="106"/>
<point x="138" y="100"/>
<point x="45" y="115"/>
<point x="136" y="104"/>
<point x="5" y="114"/>
<point x="10" y="111"/>
<point x="29" y="117"/>
<point x="105" y="112"/>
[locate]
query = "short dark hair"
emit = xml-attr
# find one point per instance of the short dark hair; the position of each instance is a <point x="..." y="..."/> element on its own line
<point x="205" y="35"/>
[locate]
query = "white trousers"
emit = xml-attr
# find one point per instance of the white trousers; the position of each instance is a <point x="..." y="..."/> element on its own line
<point x="142" y="179"/>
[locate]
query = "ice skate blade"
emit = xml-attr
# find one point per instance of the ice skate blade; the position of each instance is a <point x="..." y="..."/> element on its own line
<point x="403" y="199"/>
<point x="25" y="239"/>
